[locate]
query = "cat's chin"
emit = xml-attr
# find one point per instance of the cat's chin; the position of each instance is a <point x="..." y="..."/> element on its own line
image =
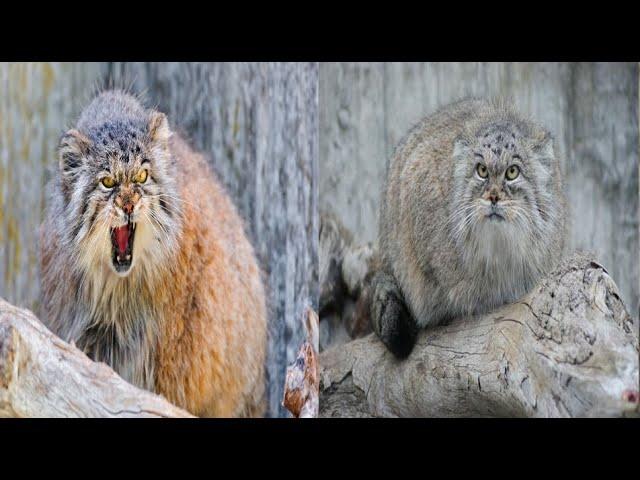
<point x="494" y="217"/>
<point x="498" y="244"/>
<point x="122" y="269"/>
<point x="497" y="226"/>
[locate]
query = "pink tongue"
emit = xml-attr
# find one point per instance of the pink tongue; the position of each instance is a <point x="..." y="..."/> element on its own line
<point x="122" y="237"/>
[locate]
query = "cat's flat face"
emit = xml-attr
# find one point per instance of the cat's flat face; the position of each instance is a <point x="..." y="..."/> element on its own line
<point x="498" y="176"/>
<point x="501" y="183"/>
<point x="126" y="190"/>
<point x="117" y="178"/>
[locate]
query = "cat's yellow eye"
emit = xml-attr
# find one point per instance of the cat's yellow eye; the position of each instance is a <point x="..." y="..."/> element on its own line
<point x="140" y="177"/>
<point x="483" y="171"/>
<point x="512" y="172"/>
<point x="109" y="182"/>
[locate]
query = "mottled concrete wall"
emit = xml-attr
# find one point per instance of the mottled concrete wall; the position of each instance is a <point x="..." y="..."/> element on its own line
<point x="37" y="102"/>
<point x="592" y="109"/>
<point x="258" y="123"/>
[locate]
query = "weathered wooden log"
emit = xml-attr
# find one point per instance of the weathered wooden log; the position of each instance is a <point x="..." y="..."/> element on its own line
<point x="43" y="376"/>
<point x="567" y="349"/>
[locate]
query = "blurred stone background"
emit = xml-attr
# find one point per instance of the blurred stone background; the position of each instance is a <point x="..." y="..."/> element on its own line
<point x="257" y="122"/>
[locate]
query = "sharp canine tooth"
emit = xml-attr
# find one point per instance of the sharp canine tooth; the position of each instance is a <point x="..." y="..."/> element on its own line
<point x="118" y="257"/>
<point x="128" y="257"/>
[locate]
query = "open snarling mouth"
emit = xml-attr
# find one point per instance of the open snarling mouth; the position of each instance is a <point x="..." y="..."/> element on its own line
<point x="122" y="246"/>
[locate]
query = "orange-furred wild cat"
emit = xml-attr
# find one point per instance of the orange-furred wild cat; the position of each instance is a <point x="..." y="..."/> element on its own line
<point x="146" y="265"/>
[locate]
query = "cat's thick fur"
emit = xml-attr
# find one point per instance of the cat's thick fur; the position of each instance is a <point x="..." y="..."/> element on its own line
<point x="187" y="317"/>
<point x="453" y="242"/>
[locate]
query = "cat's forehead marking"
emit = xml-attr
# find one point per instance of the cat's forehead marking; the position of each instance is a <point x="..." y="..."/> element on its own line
<point x="122" y="164"/>
<point x="122" y="136"/>
<point x="495" y="156"/>
<point x="119" y="154"/>
<point x="498" y="143"/>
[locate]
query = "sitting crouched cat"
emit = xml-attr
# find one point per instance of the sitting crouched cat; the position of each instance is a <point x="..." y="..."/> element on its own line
<point x="146" y="266"/>
<point x="472" y="215"/>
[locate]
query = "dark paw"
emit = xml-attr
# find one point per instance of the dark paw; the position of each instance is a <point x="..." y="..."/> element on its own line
<point x="390" y="317"/>
<point x="397" y="328"/>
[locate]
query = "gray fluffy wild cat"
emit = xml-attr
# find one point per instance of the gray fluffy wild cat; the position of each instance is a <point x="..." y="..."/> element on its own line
<point x="472" y="215"/>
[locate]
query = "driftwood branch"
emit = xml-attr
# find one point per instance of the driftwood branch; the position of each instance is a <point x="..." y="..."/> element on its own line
<point x="42" y="376"/>
<point x="568" y="349"/>
<point x="301" y="381"/>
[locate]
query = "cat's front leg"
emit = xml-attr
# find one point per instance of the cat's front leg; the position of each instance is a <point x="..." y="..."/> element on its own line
<point x="390" y="317"/>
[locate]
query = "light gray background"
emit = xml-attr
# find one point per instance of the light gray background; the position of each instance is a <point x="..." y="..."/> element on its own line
<point x="591" y="108"/>
<point x="258" y="122"/>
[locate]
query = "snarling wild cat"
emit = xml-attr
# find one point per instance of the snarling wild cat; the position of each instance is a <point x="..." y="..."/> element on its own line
<point x="472" y="215"/>
<point x="146" y="266"/>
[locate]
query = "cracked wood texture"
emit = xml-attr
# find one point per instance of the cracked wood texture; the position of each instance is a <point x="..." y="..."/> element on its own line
<point x="256" y="122"/>
<point x="567" y="349"/>
<point x="42" y="376"/>
<point x="591" y="108"/>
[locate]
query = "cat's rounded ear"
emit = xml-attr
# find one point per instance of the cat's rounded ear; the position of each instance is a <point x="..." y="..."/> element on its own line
<point x="462" y="152"/>
<point x="159" y="131"/>
<point x="542" y="147"/>
<point x="460" y="147"/>
<point x="72" y="149"/>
